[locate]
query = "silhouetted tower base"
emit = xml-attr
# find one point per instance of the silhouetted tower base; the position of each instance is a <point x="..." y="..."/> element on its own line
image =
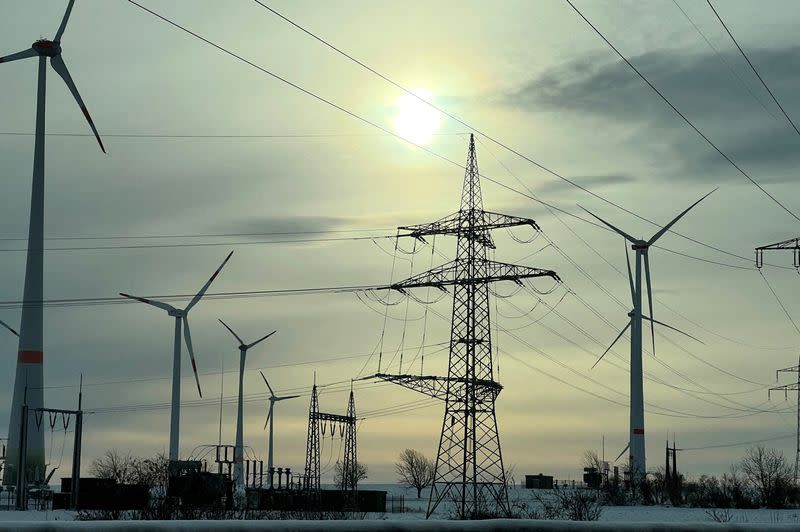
<point x="320" y="423"/>
<point x="786" y="388"/>
<point x="469" y="462"/>
<point x="312" y="471"/>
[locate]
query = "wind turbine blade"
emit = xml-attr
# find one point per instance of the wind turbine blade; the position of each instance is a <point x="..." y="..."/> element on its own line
<point x="61" y="68"/>
<point x="153" y="302"/>
<point x="47" y="480"/>
<point x="7" y="326"/>
<point x="268" y="386"/>
<point x="202" y="291"/>
<point x="623" y="451"/>
<point x="287" y="397"/>
<point x="648" y="318"/>
<point x="269" y="414"/>
<point x="649" y="296"/>
<point x="24" y="54"/>
<point x="615" y="229"/>
<point x="630" y="275"/>
<point x="260" y="340"/>
<point x="612" y="343"/>
<point x="231" y="331"/>
<point x="187" y="337"/>
<point x="64" y="20"/>
<point x="674" y="220"/>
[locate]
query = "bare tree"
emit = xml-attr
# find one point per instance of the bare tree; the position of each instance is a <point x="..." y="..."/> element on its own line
<point x="414" y="470"/>
<point x="116" y="466"/>
<point x="129" y="469"/>
<point x="769" y="473"/>
<point x="340" y="476"/>
<point x="591" y="459"/>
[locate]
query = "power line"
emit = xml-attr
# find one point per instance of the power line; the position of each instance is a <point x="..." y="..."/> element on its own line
<point x="203" y="235"/>
<point x="233" y="136"/>
<point x="489" y="137"/>
<point x="206" y="244"/>
<point x="737" y="444"/>
<point x="722" y="58"/>
<point x="753" y="67"/>
<point x="423" y="148"/>
<point x="326" y="360"/>
<point x="680" y="114"/>
<point x="778" y="299"/>
<point x="71" y="302"/>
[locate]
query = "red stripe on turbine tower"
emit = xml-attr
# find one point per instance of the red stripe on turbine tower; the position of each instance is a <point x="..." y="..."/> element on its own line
<point x="30" y="357"/>
<point x="638" y="431"/>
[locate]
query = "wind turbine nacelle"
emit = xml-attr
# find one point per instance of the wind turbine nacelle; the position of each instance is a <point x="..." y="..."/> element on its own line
<point x="47" y="48"/>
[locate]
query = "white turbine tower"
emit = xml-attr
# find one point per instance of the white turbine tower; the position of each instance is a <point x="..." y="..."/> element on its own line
<point x="30" y="355"/>
<point x="181" y="319"/>
<point x="271" y="420"/>
<point x="238" y="453"/>
<point x="636" y="443"/>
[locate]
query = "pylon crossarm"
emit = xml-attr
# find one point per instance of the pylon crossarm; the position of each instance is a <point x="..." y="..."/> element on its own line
<point x="451" y="224"/>
<point x="322" y="416"/>
<point x="792" y="243"/>
<point x="449" y="274"/>
<point x="793" y="369"/>
<point x="786" y="388"/>
<point x="436" y="387"/>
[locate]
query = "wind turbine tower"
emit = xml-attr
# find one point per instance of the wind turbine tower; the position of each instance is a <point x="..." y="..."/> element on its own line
<point x="636" y="443"/>
<point x="181" y="321"/>
<point x="30" y="356"/>
<point x="238" y="452"/>
<point x="271" y="420"/>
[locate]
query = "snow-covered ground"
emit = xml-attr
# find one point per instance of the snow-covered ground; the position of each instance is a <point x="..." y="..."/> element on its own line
<point x="613" y="517"/>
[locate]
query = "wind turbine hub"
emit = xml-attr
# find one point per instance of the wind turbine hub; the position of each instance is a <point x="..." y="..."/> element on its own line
<point x="47" y="48"/>
<point x="177" y="313"/>
<point x="640" y="244"/>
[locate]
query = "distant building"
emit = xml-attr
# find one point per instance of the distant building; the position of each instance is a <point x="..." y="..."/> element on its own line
<point x="540" y="482"/>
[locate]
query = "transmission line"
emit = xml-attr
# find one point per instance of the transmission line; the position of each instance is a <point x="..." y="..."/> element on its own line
<point x="489" y="137"/>
<point x="722" y="58"/>
<point x="679" y="113"/>
<point x="753" y="67"/>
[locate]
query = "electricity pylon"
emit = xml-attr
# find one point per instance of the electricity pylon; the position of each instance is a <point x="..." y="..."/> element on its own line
<point x="469" y="462"/>
<point x="318" y="424"/>
<point x="794" y="245"/>
<point x="786" y="388"/>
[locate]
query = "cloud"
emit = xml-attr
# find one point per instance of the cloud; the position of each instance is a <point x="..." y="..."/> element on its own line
<point x="259" y="225"/>
<point x="703" y="88"/>
<point x="589" y="181"/>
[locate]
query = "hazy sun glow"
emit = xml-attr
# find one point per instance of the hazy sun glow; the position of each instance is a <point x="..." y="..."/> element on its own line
<point x="416" y="120"/>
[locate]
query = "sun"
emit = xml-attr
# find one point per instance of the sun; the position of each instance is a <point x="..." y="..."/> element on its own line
<point x="416" y="120"/>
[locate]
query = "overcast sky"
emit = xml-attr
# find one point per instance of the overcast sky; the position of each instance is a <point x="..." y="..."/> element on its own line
<point x="531" y="74"/>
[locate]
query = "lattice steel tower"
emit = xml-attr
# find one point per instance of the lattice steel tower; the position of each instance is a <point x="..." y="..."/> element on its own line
<point x="469" y="462"/>
<point x="786" y="388"/>
<point x="312" y="472"/>
<point x="793" y="245"/>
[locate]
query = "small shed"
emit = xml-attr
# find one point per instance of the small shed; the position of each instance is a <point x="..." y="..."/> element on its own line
<point x="540" y="482"/>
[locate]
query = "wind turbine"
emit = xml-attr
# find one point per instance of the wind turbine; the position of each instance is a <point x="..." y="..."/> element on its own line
<point x="238" y="453"/>
<point x="641" y="247"/>
<point x="271" y="420"/>
<point x="181" y="319"/>
<point x="31" y="345"/>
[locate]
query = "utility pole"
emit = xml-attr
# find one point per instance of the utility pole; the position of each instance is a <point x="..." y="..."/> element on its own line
<point x="792" y="244"/>
<point x="786" y="388"/>
<point x="469" y="462"/>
